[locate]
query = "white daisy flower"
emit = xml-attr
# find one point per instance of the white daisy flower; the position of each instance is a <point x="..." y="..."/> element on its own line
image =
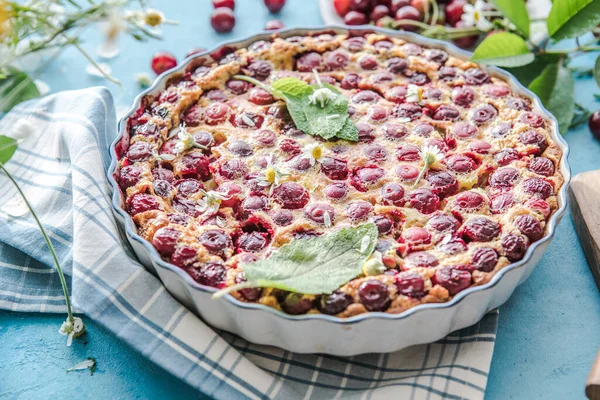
<point x="273" y="175"/>
<point x="314" y="152"/>
<point x="430" y="155"/>
<point x="72" y="329"/>
<point x="211" y="202"/>
<point x="186" y="140"/>
<point x="474" y="16"/>
<point x="414" y="94"/>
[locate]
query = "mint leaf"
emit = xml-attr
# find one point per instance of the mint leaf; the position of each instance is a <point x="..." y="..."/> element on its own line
<point x="327" y="121"/>
<point x="348" y="132"/>
<point x="292" y="87"/>
<point x="296" y="106"/>
<point x="503" y="49"/>
<point x="318" y="110"/>
<point x="8" y="146"/>
<point x="555" y="87"/>
<point x="16" y="87"/>
<point x="516" y="12"/>
<point x="572" y="18"/>
<point x="313" y="266"/>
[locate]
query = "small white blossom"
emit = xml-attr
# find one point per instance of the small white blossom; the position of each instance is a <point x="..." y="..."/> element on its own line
<point x="414" y="94"/>
<point x="72" y="329"/>
<point x="154" y="17"/>
<point x="322" y="96"/>
<point x="186" y="140"/>
<point x="273" y="175"/>
<point x="314" y="152"/>
<point x="211" y="202"/>
<point x="474" y="16"/>
<point x="430" y="155"/>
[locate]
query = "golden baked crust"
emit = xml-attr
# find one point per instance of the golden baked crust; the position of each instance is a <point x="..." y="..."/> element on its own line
<point x="473" y="213"/>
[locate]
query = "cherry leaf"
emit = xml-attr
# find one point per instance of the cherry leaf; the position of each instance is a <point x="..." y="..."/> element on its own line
<point x="503" y="49"/>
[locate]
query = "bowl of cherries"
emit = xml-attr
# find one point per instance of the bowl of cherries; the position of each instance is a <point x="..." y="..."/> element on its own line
<point x="409" y="15"/>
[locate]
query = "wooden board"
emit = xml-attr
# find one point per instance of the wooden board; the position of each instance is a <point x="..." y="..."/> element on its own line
<point x="584" y="196"/>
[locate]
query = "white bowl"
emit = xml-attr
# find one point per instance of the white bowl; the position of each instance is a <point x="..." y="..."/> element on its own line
<point x="319" y="333"/>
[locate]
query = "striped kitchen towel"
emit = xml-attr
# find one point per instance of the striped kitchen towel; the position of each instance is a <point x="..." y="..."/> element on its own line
<point x="61" y="164"/>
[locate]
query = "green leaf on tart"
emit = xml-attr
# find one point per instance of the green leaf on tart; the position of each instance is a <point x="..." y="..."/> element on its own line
<point x="555" y="87"/>
<point x="516" y="12"/>
<point x="8" y="146"/>
<point x="503" y="49"/>
<point x="572" y="18"/>
<point x="348" y="132"/>
<point x="313" y="266"/>
<point x="327" y="121"/>
<point x="327" y="118"/>
<point x="16" y="87"/>
<point x="292" y="87"/>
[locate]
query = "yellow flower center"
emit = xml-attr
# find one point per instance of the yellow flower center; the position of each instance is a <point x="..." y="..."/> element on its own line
<point x="476" y="15"/>
<point x="270" y="175"/>
<point x="153" y="18"/>
<point x="317" y="152"/>
<point x="4" y="17"/>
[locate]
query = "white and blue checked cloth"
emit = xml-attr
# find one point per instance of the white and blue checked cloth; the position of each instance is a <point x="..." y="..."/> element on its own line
<point x="61" y="164"/>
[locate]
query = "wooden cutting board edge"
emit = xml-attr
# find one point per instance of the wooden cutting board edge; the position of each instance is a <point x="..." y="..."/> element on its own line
<point x="584" y="198"/>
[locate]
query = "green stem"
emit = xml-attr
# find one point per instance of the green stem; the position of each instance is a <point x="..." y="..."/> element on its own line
<point x="91" y="60"/>
<point x="63" y="282"/>
<point x="254" y="82"/>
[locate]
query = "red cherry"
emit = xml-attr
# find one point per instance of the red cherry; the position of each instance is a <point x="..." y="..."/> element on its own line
<point x="355" y="18"/>
<point x="163" y="61"/>
<point x="274" y="25"/>
<point x="465" y="42"/>
<point x="342" y="7"/>
<point x="419" y="4"/>
<point x="594" y="124"/>
<point x="454" y="11"/>
<point x="379" y="12"/>
<point x="274" y="6"/>
<point x="222" y="20"/>
<point x="224" y="3"/>
<point x="410" y="13"/>
<point x="395" y="5"/>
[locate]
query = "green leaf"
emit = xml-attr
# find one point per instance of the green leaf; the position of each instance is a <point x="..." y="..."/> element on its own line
<point x="295" y="106"/>
<point x="597" y="71"/>
<point x="348" y="132"/>
<point x="572" y="18"/>
<point x="555" y="87"/>
<point x="328" y="120"/>
<point x="16" y="88"/>
<point x="528" y="73"/>
<point x="516" y="12"/>
<point x="292" y="87"/>
<point x="8" y="146"/>
<point x="503" y="49"/>
<point x="313" y="266"/>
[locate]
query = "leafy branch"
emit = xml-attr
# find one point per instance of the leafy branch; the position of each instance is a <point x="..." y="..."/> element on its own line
<point x="73" y="327"/>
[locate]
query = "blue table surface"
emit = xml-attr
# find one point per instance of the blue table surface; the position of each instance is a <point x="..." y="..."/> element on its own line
<point x="548" y="332"/>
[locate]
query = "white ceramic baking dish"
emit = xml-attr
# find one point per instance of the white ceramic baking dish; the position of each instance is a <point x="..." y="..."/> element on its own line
<point x="320" y="333"/>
